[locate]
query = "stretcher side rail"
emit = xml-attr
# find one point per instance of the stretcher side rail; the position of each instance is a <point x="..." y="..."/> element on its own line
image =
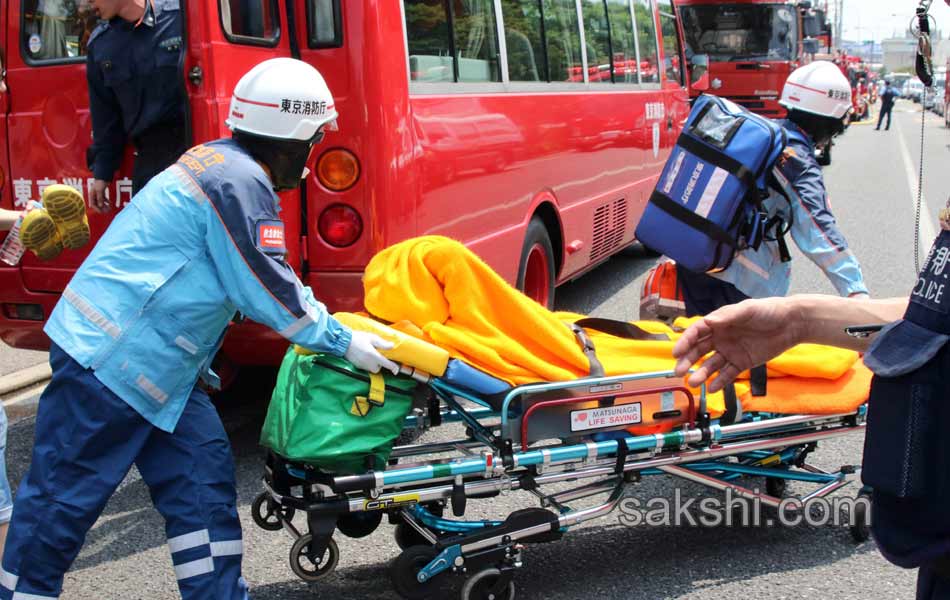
<point x="433" y="490"/>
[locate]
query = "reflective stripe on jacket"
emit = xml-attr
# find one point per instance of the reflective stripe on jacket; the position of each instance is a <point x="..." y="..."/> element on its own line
<point x="149" y="306"/>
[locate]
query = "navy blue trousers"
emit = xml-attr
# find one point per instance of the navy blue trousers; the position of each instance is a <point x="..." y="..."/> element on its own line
<point x="87" y="439"/>
<point x="931" y="586"/>
<point x="703" y="294"/>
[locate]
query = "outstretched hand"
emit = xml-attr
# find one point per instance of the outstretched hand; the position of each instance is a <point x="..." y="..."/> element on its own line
<point x="740" y="336"/>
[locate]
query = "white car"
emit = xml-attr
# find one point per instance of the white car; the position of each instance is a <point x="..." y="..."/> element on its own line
<point x="913" y="89"/>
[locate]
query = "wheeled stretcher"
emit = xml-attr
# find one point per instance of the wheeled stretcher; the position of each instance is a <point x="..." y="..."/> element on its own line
<point x="566" y="443"/>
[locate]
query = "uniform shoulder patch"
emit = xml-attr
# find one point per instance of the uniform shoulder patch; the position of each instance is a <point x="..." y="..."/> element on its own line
<point x="270" y="237"/>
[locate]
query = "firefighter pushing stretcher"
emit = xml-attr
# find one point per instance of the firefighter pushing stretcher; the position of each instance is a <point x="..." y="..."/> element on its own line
<point x="141" y="320"/>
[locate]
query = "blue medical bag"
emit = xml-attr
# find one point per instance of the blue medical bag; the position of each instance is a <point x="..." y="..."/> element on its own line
<point x="707" y="204"/>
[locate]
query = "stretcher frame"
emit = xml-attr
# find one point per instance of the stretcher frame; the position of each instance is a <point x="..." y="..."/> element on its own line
<point x="490" y="461"/>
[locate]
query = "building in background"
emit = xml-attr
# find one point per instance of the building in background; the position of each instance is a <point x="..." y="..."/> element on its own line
<point x="900" y="53"/>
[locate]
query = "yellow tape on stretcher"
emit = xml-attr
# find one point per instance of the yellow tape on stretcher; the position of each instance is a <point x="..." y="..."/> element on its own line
<point x="406" y="349"/>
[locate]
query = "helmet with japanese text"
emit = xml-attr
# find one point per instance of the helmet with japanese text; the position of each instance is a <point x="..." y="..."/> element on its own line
<point x="279" y="111"/>
<point x="819" y="88"/>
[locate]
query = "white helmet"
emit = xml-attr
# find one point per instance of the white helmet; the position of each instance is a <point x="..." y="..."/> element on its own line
<point x="281" y="98"/>
<point x="278" y="112"/>
<point x="818" y="88"/>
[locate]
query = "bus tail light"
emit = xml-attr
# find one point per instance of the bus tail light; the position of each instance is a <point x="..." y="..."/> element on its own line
<point x="338" y="169"/>
<point x="340" y="225"/>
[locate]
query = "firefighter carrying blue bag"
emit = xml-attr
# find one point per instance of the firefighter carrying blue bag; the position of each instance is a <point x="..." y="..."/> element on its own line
<point x="737" y="184"/>
<point x="707" y="203"/>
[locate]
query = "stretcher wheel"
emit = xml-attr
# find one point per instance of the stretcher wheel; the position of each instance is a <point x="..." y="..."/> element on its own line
<point x="268" y="514"/>
<point x="861" y="529"/>
<point x="776" y="486"/>
<point x="358" y="525"/>
<point x="481" y="586"/>
<point x="407" y="537"/>
<point x="406" y="567"/>
<point x="310" y="570"/>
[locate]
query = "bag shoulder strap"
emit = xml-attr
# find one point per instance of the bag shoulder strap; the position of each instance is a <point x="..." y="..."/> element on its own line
<point x="684" y="215"/>
<point x="717" y="158"/>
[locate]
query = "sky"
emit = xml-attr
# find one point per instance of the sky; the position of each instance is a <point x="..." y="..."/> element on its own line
<point x="880" y="19"/>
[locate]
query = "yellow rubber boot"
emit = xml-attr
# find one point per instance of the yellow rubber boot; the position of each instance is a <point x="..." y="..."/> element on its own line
<point x="38" y="234"/>
<point x="67" y="208"/>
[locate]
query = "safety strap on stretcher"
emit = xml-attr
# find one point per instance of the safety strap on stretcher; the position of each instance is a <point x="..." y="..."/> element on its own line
<point x="620" y="329"/>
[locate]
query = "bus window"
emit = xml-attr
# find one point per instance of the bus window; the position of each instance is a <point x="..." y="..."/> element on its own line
<point x="56" y="30"/>
<point x="597" y="37"/>
<point x="622" y="41"/>
<point x="646" y="41"/>
<point x="324" y="29"/>
<point x="523" y="38"/>
<point x="563" y="41"/>
<point x="671" y="42"/>
<point x="427" y="29"/>
<point x="434" y="39"/>
<point x="252" y="22"/>
<point x="476" y="40"/>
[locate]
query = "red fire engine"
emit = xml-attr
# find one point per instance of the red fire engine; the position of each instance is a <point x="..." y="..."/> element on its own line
<point x="753" y="45"/>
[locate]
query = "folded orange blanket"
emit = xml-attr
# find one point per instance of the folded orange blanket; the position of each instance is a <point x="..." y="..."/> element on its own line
<point x="444" y="293"/>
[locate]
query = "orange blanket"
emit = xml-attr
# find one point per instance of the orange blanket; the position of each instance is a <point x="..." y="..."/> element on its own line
<point x="445" y="294"/>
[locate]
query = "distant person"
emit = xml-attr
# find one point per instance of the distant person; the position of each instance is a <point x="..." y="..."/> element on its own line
<point x="888" y="97"/>
<point x="135" y="91"/>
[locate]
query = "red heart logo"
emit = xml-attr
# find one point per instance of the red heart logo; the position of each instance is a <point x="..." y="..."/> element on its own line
<point x="582" y="417"/>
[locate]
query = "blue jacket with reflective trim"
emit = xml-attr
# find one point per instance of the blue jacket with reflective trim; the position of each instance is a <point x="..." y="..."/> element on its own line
<point x="148" y="308"/>
<point x="761" y="273"/>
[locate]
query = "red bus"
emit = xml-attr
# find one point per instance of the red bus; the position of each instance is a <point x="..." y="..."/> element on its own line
<point x="531" y="130"/>
<point x="753" y="46"/>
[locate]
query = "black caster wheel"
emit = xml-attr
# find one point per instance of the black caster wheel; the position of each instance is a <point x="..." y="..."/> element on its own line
<point x="404" y="571"/>
<point x="407" y="537"/>
<point x="358" y="525"/>
<point x="776" y="486"/>
<point x="312" y="570"/>
<point x="860" y="527"/>
<point x="268" y="514"/>
<point x="482" y="586"/>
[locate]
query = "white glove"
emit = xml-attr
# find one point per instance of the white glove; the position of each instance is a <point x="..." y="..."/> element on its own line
<point x="362" y="352"/>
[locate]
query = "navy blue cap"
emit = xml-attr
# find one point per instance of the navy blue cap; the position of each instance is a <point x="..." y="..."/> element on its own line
<point x="910" y="343"/>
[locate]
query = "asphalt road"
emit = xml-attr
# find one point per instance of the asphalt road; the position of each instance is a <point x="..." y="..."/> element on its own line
<point x="125" y="555"/>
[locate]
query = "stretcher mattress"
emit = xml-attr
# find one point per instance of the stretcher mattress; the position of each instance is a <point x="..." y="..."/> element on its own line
<point x="436" y="289"/>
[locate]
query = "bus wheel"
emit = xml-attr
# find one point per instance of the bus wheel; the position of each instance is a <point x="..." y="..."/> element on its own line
<point x="536" y="269"/>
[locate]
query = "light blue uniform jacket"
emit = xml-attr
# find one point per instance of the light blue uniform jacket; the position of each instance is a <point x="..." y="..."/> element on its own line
<point x="148" y="308"/>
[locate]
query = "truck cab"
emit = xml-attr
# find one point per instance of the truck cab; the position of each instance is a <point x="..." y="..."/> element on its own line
<point x="753" y="46"/>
